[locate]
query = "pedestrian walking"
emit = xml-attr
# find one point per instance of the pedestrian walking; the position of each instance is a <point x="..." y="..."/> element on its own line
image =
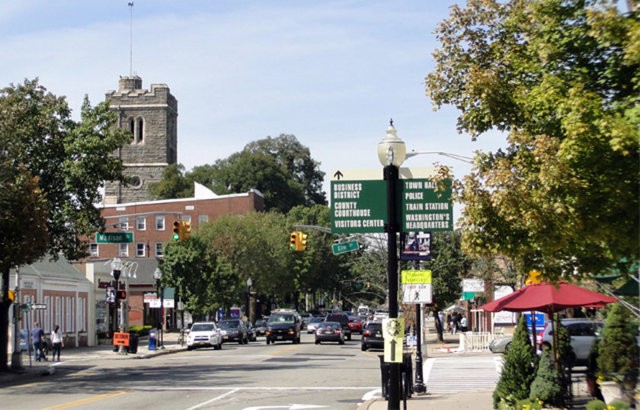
<point x="37" y="339"/>
<point x="57" y="342"/>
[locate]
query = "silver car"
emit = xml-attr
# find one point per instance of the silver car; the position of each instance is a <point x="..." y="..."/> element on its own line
<point x="313" y="324"/>
<point x="583" y="332"/>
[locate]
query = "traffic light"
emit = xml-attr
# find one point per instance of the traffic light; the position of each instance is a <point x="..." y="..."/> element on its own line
<point x="177" y="230"/>
<point x="293" y="242"/>
<point x="186" y="230"/>
<point x="302" y="237"/>
<point x="121" y="294"/>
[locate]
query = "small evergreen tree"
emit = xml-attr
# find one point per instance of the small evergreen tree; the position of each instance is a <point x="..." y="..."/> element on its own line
<point x="547" y="386"/>
<point x="517" y="370"/>
<point x="618" y="350"/>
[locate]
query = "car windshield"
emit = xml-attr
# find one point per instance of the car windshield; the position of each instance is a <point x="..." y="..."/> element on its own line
<point x="202" y="327"/>
<point x="285" y="319"/>
<point x="232" y="324"/>
<point x="317" y="320"/>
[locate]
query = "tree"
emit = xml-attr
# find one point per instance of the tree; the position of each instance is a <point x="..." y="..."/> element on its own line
<point x="173" y="184"/>
<point x="68" y="161"/>
<point x="517" y="370"/>
<point x="560" y="77"/>
<point x="448" y="265"/>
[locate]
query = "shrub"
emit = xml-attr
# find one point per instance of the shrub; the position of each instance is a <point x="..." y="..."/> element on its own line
<point x="596" y="405"/>
<point x="617" y="351"/>
<point x="547" y="385"/>
<point x="517" y="370"/>
<point x="140" y="330"/>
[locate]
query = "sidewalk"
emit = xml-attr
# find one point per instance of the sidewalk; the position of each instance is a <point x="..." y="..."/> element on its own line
<point x="35" y="369"/>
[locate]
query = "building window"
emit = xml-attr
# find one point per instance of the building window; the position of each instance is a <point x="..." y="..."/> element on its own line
<point x="140" y="249"/>
<point x="159" y="249"/>
<point x="160" y="223"/>
<point x="203" y="219"/>
<point x="123" y="223"/>
<point x="141" y="223"/>
<point x="139" y="131"/>
<point x="186" y="218"/>
<point x="123" y="249"/>
<point x="93" y="249"/>
<point x="135" y="182"/>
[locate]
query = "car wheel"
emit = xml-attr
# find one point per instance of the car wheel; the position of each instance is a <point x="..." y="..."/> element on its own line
<point x="341" y="342"/>
<point x="363" y="348"/>
<point x="349" y="337"/>
<point x="317" y="342"/>
<point x="268" y="341"/>
<point x="506" y="348"/>
<point x="189" y="347"/>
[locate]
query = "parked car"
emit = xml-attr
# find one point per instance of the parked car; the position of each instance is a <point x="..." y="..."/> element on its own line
<point x="283" y="325"/>
<point x="314" y="323"/>
<point x="329" y="332"/>
<point x="583" y="332"/>
<point x="372" y="335"/>
<point x="204" y="334"/>
<point x="234" y="330"/>
<point x="355" y="324"/>
<point x="500" y="344"/>
<point x="341" y="318"/>
<point x="260" y="326"/>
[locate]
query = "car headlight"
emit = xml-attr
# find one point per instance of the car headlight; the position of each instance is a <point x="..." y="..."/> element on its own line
<point x="223" y="332"/>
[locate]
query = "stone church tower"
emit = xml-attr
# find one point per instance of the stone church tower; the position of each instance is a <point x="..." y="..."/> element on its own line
<point x="152" y="118"/>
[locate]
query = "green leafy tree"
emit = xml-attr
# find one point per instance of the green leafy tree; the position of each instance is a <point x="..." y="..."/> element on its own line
<point x="560" y="77"/>
<point x="60" y="164"/>
<point x="448" y="266"/>
<point x="547" y="385"/>
<point x="618" y="350"/>
<point x="517" y="369"/>
<point x="173" y="184"/>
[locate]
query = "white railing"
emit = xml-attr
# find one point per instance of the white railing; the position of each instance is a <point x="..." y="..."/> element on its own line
<point x="475" y="341"/>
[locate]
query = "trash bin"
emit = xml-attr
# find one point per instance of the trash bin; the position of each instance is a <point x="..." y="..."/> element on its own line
<point x="133" y="343"/>
<point x="404" y="369"/>
<point x="152" y="339"/>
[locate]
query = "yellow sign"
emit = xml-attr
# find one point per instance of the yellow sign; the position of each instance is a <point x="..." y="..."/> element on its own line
<point x="393" y="334"/>
<point x="416" y="277"/>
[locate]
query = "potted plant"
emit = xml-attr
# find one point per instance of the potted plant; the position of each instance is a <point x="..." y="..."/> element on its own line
<point x="618" y="355"/>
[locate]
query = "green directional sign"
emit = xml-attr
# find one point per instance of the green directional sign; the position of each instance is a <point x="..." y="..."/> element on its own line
<point x="344" y="247"/>
<point x="426" y="205"/>
<point x="358" y="206"/>
<point x="114" y="237"/>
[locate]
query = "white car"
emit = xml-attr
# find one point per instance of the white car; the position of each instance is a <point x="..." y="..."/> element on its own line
<point x="583" y="332"/>
<point x="204" y="334"/>
<point x="314" y="323"/>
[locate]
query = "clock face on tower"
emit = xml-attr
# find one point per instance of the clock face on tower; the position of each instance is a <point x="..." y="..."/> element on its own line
<point x="135" y="181"/>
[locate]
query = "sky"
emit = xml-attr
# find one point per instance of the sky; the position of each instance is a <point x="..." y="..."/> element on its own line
<point x="330" y="72"/>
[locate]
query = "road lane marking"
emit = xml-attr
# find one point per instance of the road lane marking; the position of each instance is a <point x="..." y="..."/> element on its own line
<point x="84" y="401"/>
<point x="222" y="396"/>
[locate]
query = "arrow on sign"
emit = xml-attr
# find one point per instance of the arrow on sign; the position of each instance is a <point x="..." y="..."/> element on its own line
<point x="393" y="349"/>
<point x="38" y="306"/>
<point x="338" y="175"/>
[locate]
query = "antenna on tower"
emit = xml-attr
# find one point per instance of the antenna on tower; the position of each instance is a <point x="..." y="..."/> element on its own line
<point x="131" y="39"/>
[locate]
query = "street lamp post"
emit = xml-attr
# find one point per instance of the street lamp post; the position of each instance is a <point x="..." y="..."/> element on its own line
<point x="116" y="270"/>
<point x="157" y="275"/>
<point x="392" y="153"/>
<point x="248" y="310"/>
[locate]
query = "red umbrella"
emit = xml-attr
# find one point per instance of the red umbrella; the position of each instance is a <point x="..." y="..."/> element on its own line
<point x="549" y="298"/>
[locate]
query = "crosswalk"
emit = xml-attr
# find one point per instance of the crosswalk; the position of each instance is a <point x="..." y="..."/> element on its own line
<point x="462" y="373"/>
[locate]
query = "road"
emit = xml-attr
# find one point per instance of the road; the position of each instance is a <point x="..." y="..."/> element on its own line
<point x="239" y="377"/>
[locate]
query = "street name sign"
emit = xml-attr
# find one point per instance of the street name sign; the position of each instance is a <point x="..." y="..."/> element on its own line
<point x="344" y="247"/>
<point x="360" y="205"/>
<point x="114" y="237"/>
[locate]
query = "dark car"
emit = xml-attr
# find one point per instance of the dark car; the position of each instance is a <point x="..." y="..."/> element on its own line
<point x="260" y="326"/>
<point x="343" y="319"/>
<point x="329" y="332"/>
<point x="233" y="330"/>
<point x="372" y="335"/>
<point x="252" y="334"/>
<point x="283" y="326"/>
